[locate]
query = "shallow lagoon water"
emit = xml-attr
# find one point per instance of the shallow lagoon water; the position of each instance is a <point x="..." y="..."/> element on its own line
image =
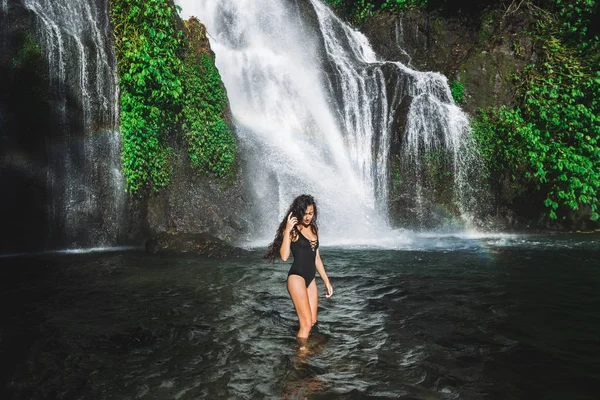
<point x="436" y="317"/>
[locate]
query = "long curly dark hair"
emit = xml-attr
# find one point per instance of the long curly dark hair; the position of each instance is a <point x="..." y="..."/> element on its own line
<point x="298" y="208"/>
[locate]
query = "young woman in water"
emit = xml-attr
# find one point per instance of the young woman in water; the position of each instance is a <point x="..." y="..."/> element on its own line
<point x="299" y="234"/>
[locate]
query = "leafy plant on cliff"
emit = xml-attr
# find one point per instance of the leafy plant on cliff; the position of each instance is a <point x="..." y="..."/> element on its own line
<point x="167" y="84"/>
<point x="359" y="10"/>
<point x="402" y="4"/>
<point x="147" y="43"/>
<point x="552" y="138"/>
<point x="29" y="53"/>
<point x="211" y="144"/>
<point x="457" y="89"/>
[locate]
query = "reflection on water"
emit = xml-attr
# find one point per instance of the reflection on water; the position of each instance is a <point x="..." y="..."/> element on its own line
<point x="302" y="379"/>
<point x="456" y="318"/>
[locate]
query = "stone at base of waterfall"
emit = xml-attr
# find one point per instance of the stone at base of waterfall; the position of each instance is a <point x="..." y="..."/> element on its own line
<point x="191" y="243"/>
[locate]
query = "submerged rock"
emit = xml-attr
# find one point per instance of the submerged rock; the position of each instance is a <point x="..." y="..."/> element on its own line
<point x="198" y="243"/>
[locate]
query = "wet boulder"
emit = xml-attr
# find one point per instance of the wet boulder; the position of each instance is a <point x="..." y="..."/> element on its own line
<point x="195" y="243"/>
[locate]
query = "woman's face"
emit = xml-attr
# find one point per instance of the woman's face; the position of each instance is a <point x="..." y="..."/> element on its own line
<point x="309" y="213"/>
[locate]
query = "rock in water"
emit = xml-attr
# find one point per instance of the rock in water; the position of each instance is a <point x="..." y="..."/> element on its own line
<point x="198" y="243"/>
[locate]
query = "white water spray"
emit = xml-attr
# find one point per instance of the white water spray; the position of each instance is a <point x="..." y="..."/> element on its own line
<point x="436" y="125"/>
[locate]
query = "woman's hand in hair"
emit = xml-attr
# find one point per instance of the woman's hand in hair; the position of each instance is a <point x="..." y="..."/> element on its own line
<point x="284" y="249"/>
<point x="291" y="222"/>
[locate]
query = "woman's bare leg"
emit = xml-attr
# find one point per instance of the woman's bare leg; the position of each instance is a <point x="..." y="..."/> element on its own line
<point x="297" y="289"/>
<point x="313" y="299"/>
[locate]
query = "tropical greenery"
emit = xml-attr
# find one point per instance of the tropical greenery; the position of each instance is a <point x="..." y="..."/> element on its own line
<point x="148" y="46"/>
<point x="211" y="144"/>
<point x="551" y="139"/>
<point x="359" y="10"/>
<point x="165" y="88"/>
<point x="458" y="90"/>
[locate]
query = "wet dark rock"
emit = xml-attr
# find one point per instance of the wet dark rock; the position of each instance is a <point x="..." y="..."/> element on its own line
<point x="480" y="50"/>
<point x="195" y="203"/>
<point x="26" y="123"/>
<point x="195" y="243"/>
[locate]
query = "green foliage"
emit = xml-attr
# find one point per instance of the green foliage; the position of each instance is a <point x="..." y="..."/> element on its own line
<point x="166" y="85"/>
<point x="402" y="4"/>
<point x="457" y="89"/>
<point x="575" y="18"/>
<point x="29" y="53"/>
<point x="552" y="138"/>
<point x="148" y="44"/>
<point x="211" y="144"/>
<point x="360" y="10"/>
<point x="396" y="180"/>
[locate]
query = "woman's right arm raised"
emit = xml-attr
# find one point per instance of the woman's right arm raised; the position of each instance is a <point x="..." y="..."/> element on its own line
<point x="284" y="250"/>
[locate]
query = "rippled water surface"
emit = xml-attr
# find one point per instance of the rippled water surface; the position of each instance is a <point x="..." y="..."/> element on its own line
<point x="445" y="317"/>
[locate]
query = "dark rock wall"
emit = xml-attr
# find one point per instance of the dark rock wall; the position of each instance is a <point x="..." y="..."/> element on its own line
<point x="195" y="203"/>
<point x="26" y="118"/>
<point x="57" y="157"/>
<point x="481" y="51"/>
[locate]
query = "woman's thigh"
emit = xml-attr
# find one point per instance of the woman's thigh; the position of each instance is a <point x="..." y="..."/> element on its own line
<point x="297" y="289"/>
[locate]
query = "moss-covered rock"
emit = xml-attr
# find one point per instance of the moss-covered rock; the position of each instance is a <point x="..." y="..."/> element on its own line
<point x="483" y="51"/>
<point x="197" y="38"/>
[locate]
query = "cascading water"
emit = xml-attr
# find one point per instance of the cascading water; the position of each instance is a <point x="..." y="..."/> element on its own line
<point x="291" y="137"/>
<point x="437" y="135"/>
<point x="316" y="112"/>
<point x="360" y="84"/>
<point x="84" y="175"/>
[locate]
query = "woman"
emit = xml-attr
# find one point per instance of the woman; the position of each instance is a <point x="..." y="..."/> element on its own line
<point x="298" y="233"/>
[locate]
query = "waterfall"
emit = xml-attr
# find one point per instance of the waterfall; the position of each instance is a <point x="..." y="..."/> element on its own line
<point x="363" y="111"/>
<point x="317" y="111"/>
<point x="437" y="128"/>
<point x="290" y="128"/>
<point x="84" y="175"/>
<point x="290" y="138"/>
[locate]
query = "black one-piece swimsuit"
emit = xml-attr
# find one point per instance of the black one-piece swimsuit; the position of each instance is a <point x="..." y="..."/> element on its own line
<point x="305" y="254"/>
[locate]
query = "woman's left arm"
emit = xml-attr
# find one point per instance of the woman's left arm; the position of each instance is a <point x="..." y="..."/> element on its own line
<point x="323" y="275"/>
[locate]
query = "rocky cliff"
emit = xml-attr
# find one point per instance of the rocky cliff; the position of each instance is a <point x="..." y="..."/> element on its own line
<point x="481" y="51"/>
<point x="60" y="148"/>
